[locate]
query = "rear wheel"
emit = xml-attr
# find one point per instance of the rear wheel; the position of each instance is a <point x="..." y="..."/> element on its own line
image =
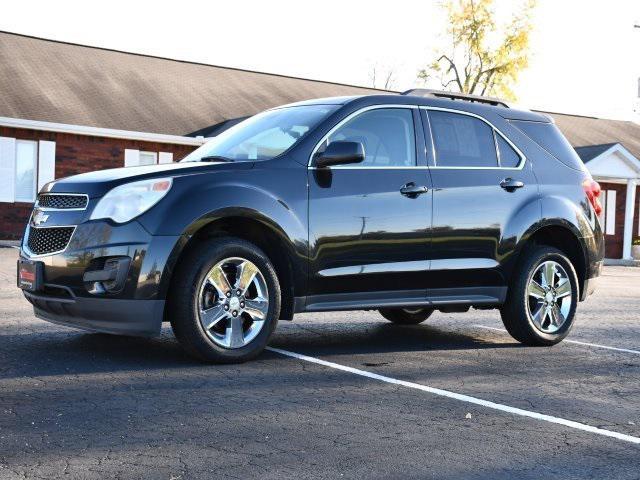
<point x="225" y="302"/>
<point x="541" y="303"/>
<point x="406" y="316"/>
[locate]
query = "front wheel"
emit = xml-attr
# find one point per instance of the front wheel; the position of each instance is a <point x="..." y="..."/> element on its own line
<point x="541" y="303"/>
<point x="225" y="302"/>
<point x="406" y="316"/>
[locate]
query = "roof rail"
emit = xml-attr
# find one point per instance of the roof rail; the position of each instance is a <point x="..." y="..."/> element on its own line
<point x="427" y="92"/>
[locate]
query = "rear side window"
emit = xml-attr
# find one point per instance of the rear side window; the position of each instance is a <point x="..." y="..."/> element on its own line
<point x="508" y="156"/>
<point x="462" y="141"/>
<point x="549" y="138"/>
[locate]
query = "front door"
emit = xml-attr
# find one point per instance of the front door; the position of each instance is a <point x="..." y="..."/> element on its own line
<point x="367" y="232"/>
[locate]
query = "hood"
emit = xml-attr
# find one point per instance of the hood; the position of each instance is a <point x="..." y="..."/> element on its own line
<point x="96" y="184"/>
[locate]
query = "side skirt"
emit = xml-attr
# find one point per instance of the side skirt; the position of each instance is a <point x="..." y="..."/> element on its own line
<point x="435" y="298"/>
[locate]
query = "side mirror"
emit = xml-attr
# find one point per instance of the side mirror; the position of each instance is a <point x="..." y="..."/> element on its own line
<point x="340" y="153"/>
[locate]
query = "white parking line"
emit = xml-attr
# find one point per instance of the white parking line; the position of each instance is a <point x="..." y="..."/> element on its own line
<point x="462" y="398"/>
<point x="595" y="345"/>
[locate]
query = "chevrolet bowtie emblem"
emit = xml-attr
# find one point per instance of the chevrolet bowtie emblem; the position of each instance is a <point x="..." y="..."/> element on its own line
<point x="39" y="218"/>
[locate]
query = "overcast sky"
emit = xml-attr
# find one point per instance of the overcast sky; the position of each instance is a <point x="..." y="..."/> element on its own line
<point x="585" y="53"/>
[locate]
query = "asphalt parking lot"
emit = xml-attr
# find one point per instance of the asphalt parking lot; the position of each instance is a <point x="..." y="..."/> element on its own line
<point x="453" y="398"/>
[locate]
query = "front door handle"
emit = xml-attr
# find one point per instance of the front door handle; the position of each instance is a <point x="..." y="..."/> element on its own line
<point x="412" y="190"/>
<point x="509" y="184"/>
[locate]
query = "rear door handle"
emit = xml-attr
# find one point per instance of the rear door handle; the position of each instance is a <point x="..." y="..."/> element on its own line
<point x="412" y="190"/>
<point x="509" y="184"/>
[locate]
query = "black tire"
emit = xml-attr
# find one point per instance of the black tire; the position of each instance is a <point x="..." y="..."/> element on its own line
<point x="183" y="298"/>
<point x="408" y="316"/>
<point x="515" y="312"/>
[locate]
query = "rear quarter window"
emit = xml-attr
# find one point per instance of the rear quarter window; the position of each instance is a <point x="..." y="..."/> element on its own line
<point x="549" y="137"/>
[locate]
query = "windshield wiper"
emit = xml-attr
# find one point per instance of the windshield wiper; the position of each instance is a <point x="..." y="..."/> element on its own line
<point x="215" y="158"/>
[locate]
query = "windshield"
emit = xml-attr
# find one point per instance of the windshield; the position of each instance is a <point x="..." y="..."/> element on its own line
<point x="263" y="136"/>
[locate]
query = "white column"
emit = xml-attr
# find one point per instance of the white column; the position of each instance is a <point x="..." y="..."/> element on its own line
<point x="628" y="218"/>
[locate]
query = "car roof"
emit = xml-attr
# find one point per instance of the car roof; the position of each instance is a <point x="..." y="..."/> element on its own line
<point x="398" y="99"/>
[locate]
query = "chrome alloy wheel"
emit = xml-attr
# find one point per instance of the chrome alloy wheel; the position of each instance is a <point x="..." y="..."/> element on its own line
<point x="233" y="302"/>
<point x="549" y="297"/>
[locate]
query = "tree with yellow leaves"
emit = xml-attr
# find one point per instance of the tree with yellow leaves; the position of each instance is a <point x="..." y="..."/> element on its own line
<point x="479" y="60"/>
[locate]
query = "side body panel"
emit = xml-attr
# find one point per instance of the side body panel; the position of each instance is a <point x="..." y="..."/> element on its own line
<point x="564" y="202"/>
<point x="364" y="234"/>
<point x="477" y="225"/>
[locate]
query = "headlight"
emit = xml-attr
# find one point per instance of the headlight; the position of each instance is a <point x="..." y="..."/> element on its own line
<point x="126" y="202"/>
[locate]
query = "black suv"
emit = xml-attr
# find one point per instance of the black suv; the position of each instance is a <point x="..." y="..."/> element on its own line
<point x="401" y="203"/>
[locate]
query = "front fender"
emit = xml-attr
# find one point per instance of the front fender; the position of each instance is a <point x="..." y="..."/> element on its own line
<point x="188" y="212"/>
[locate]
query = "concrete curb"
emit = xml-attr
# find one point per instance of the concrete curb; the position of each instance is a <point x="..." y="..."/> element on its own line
<point x="621" y="262"/>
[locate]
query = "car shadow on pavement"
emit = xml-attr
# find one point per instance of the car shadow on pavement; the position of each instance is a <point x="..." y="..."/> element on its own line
<point x="67" y="351"/>
<point x="351" y="338"/>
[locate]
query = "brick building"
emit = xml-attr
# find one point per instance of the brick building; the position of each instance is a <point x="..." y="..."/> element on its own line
<point x="67" y="109"/>
<point x="611" y="152"/>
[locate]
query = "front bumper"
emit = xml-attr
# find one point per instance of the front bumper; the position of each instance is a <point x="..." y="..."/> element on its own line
<point x="108" y="315"/>
<point x="136" y="309"/>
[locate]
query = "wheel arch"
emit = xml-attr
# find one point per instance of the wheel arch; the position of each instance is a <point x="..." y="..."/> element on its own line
<point x="565" y="237"/>
<point x="252" y="226"/>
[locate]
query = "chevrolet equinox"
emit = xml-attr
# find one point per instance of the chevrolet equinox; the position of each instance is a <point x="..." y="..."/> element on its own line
<point x="401" y="203"/>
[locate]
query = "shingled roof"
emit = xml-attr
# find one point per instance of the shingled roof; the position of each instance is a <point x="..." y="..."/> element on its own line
<point x="61" y="82"/>
<point x="592" y="151"/>
<point x="591" y="131"/>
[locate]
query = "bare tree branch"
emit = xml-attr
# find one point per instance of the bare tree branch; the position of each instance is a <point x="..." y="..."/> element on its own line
<point x="452" y="67"/>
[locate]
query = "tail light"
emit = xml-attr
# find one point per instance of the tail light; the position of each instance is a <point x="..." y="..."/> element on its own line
<point x="592" y="189"/>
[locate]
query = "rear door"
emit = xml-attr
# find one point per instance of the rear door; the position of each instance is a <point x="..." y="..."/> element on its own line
<point x="366" y="235"/>
<point x="481" y="181"/>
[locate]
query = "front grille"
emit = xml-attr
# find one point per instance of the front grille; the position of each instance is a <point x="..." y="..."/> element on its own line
<point x="48" y="240"/>
<point x="49" y="200"/>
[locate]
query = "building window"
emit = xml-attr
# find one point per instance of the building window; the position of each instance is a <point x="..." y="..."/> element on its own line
<point x="148" y="158"/>
<point x="135" y="158"/>
<point x="26" y="165"/>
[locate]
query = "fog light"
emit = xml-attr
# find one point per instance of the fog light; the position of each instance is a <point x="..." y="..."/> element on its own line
<point x="107" y="276"/>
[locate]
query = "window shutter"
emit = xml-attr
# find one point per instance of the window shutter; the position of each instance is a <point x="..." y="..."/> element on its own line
<point x="7" y="169"/>
<point x="131" y="158"/>
<point x="46" y="162"/>
<point x="165" y="157"/>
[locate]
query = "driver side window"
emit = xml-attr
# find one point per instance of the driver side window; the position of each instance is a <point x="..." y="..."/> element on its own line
<point x="387" y="135"/>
